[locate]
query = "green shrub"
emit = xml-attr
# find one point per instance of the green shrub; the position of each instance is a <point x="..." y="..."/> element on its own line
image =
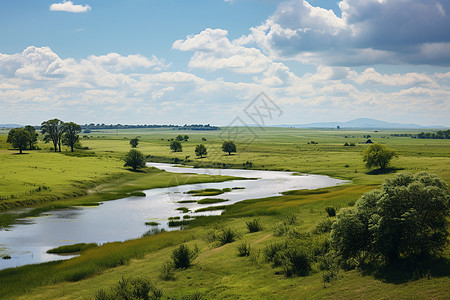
<point x="284" y="227"/>
<point x="226" y="236"/>
<point x="183" y="256"/>
<point x="329" y="276"/>
<point x="295" y="261"/>
<point x="254" y="226"/>
<point x="323" y="227"/>
<point x="271" y="253"/>
<point x="243" y="249"/>
<point x="194" y="296"/>
<point x="167" y="271"/>
<point x="130" y="288"/>
<point x="331" y="211"/>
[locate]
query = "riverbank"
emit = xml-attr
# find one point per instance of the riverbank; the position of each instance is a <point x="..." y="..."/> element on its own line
<point x="126" y="218"/>
<point x="219" y="272"/>
<point x="115" y="187"/>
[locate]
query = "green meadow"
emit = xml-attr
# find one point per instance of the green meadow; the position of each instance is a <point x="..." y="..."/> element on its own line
<point x="44" y="180"/>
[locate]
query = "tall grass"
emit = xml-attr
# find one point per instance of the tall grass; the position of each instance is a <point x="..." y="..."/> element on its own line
<point x="19" y="280"/>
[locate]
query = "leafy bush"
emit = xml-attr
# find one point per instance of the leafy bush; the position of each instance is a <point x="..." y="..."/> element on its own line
<point x="283" y="227"/>
<point x="254" y="226"/>
<point x="293" y="258"/>
<point x="323" y="226"/>
<point x="271" y="253"/>
<point x="331" y="211"/>
<point x="183" y="256"/>
<point x="226" y="236"/>
<point x="243" y="249"/>
<point x="130" y="288"/>
<point x="295" y="261"/>
<point x="329" y="275"/>
<point x="406" y="217"/>
<point x="194" y="296"/>
<point x="167" y="270"/>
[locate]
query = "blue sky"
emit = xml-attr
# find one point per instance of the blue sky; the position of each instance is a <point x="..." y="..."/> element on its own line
<point x="145" y="61"/>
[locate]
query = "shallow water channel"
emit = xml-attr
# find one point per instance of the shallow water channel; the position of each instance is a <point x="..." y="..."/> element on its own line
<point x="124" y="219"/>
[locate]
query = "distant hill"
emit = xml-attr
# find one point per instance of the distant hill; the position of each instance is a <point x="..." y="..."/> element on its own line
<point x="363" y="123"/>
<point x="10" y="125"/>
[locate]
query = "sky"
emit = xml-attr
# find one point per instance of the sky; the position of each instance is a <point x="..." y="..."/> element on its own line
<point x="211" y="61"/>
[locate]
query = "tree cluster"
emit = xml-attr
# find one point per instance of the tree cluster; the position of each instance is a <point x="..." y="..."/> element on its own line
<point x="406" y="217"/>
<point x="23" y="138"/>
<point x="59" y="132"/>
<point x="441" y="134"/>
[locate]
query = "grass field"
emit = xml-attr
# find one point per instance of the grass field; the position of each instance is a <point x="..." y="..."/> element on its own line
<point x="218" y="272"/>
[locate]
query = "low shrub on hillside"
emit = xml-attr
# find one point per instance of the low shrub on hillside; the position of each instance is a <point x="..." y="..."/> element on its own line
<point x="254" y="226"/>
<point x="183" y="256"/>
<point x="243" y="249"/>
<point x="130" y="288"/>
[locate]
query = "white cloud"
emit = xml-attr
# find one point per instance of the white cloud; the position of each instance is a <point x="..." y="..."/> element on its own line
<point x="213" y="50"/>
<point x="37" y="84"/>
<point x="68" y="6"/>
<point x="367" y="32"/>
<point x="115" y="62"/>
<point x="371" y="76"/>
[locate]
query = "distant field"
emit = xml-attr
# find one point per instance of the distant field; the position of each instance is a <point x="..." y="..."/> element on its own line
<point x="218" y="272"/>
<point x="288" y="149"/>
<point x="40" y="172"/>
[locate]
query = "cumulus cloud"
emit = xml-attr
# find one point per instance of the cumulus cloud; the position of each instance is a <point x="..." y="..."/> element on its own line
<point x="367" y="32"/>
<point x="37" y="83"/>
<point x="213" y="50"/>
<point x="68" y="6"/>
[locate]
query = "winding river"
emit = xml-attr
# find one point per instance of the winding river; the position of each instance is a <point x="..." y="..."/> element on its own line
<point x="124" y="219"/>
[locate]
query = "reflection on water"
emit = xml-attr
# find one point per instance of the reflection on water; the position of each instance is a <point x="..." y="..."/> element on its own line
<point x="71" y="213"/>
<point x="123" y="219"/>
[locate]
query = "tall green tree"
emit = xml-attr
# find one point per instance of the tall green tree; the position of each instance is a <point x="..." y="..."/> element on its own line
<point x="53" y="130"/>
<point x="33" y="136"/>
<point x="179" y="138"/>
<point x="377" y="155"/>
<point x="19" y="138"/>
<point x="407" y="216"/>
<point x="134" y="142"/>
<point x="175" y="146"/>
<point x="228" y="146"/>
<point x="134" y="159"/>
<point x="201" y="150"/>
<point x="70" y="136"/>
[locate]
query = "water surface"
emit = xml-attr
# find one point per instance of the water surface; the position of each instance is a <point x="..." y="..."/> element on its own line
<point x="124" y="219"/>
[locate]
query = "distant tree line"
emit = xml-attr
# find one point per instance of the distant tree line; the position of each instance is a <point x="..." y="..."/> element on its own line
<point x="440" y="134"/>
<point x="93" y="126"/>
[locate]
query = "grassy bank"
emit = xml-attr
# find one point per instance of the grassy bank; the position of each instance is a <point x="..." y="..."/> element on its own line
<point x="218" y="272"/>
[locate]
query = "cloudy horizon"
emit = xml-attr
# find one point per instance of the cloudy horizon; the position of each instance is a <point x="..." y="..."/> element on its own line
<point x="156" y="62"/>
